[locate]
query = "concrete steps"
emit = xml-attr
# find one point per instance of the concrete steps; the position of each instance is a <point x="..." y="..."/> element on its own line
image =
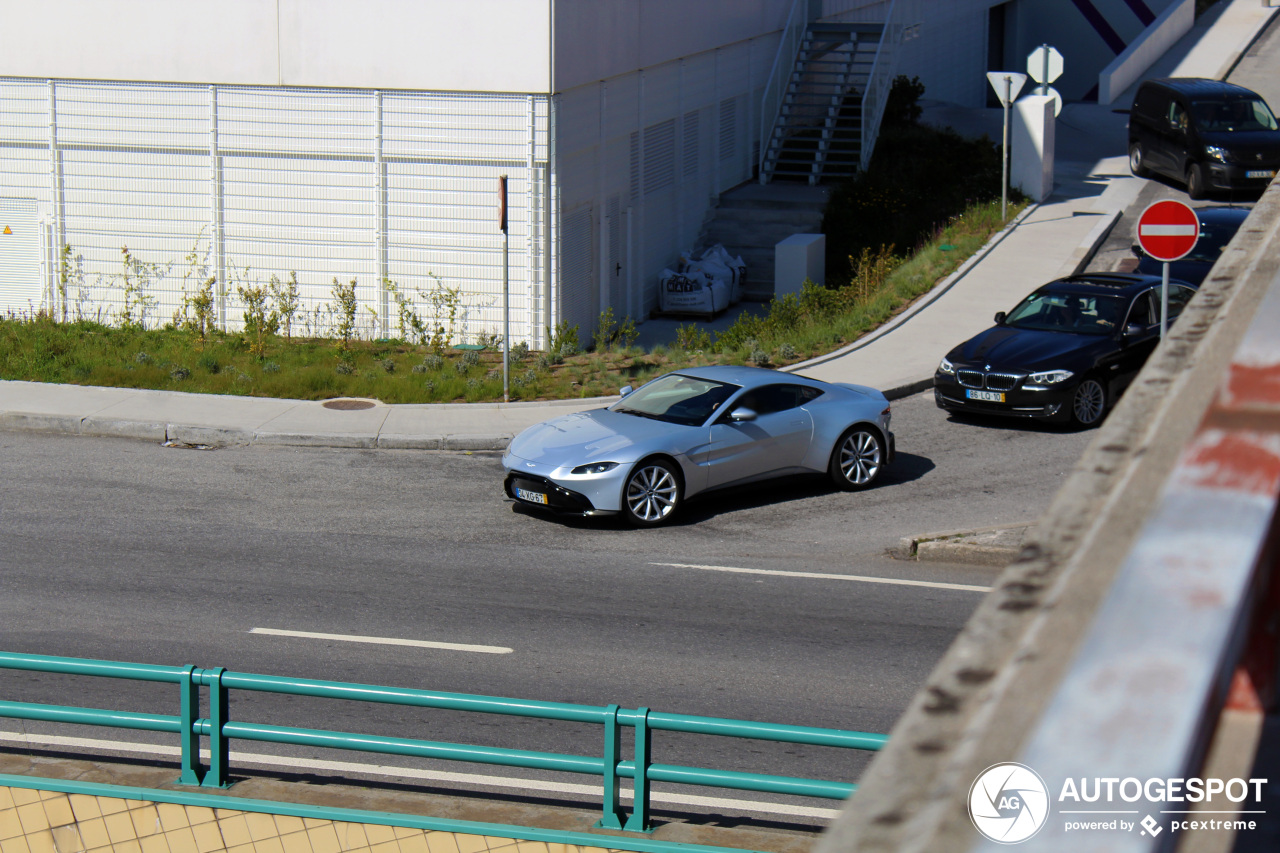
<point x="749" y="220"/>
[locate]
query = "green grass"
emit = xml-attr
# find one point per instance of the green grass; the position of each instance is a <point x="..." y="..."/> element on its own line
<point x="90" y="353"/>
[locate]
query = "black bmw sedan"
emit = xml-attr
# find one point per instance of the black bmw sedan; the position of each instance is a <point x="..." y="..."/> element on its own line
<point x="1065" y="353"/>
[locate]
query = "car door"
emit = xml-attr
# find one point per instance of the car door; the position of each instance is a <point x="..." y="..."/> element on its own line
<point x="775" y="440"/>
<point x="1139" y="336"/>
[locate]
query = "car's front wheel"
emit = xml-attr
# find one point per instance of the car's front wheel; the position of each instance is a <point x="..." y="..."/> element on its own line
<point x="857" y="458"/>
<point x="1196" y="185"/>
<point x="1089" y="403"/>
<point x="1138" y="160"/>
<point x="651" y="494"/>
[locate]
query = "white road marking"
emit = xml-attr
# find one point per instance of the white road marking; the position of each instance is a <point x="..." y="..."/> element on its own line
<point x="820" y="576"/>
<point x="384" y="641"/>
<point x="432" y="775"/>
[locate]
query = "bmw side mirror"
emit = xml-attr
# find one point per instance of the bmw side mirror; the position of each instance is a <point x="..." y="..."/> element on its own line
<point x="1137" y="251"/>
<point x="1000" y="318"/>
<point x="625" y="390"/>
<point x="1133" y="330"/>
<point x="742" y="413"/>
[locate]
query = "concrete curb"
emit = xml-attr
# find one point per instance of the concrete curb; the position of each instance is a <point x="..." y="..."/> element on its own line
<point x="995" y="547"/>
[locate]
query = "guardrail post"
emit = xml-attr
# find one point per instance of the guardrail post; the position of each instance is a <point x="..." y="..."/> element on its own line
<point x="639" y="820"/>
<point x="219" y="743"/>
<point x="612" y="817"/>
<point x="189" y="703"/>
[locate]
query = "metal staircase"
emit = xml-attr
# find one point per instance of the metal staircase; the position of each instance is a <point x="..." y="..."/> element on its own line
<point x="822" y="104"/>
<point x="818" y="132"/>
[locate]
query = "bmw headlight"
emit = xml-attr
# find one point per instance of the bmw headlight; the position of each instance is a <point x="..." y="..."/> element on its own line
<point x="1050" y="377"/>
<point x="595" y="468"/>
<point x="1216" y="152"/>
<point x="946" y="367"/>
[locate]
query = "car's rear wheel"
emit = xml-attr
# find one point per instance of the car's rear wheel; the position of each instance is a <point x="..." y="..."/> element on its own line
<point x="651" y="494"/>
<point x="1089" y="403"/>
<point x="1138" y="160"/>
<point x="857" y="458"/>
<point x="1196" y="187"/>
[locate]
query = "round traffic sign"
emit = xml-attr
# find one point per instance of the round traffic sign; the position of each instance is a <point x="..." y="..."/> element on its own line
<point x="1168" y="230"/>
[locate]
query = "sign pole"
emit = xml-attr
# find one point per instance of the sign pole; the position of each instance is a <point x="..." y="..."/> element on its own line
<point x="1004" y="150"/>
<point x="1164" y="300"/>
<point x="506" y="288"/>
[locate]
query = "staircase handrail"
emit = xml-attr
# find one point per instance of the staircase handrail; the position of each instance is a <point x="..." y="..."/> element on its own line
<point x="880" y="78"/>
<point x="802" y="12"/>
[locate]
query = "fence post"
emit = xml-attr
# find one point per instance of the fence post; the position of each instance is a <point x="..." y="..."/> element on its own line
<point x="219" y="743"/>
<point x="639" y="820"/>
<point x="189" y="703"/>
<point x="612" y="817"/>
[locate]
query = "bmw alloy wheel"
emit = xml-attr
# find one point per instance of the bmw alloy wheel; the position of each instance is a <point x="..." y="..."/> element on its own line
<point x="652" y="493"/>
<point x="857" y="459"/>
<point x="1089" y="403"/>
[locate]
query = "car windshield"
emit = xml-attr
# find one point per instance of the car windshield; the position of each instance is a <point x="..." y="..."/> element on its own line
<point x="1214" y="237"/>
<point x="1233" y="114"/>
<point x="1077" y="313"/>
<point x="676" y="398"/>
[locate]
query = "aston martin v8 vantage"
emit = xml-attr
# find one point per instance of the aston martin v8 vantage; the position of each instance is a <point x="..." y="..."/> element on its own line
<point x="694" y="431"/>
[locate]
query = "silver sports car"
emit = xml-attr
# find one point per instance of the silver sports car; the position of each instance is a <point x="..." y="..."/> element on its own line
<point x="695" y="430"/>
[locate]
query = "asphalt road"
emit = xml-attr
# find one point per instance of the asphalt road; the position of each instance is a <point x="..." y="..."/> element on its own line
<point x="124" y="550"/>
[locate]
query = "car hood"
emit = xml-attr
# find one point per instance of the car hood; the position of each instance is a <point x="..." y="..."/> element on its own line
<point x="1022" y="350"/>
<point x="598" y="435"/>
<point x="1245" y="144"/>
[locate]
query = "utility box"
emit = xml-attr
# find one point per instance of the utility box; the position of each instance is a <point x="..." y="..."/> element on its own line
<point x="797" y="258"/>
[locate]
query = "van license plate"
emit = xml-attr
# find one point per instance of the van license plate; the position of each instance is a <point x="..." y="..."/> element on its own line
<point x="531" y="497"/>
<point x="985" y="396"/>
<point x="1261" y="173"/>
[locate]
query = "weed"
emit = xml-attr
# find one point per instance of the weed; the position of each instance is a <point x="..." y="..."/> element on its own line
<point x="178" y="374"/>
<point x="270" y="367"/>
<point x="259" y="321"/>
<point x="286" y="301"/>
<point x="692" y="338"/>
<point x="344" y="297"/>
<point x="388" y="365"/>
<point x="418" y="368"/>
<point x="344" y="369"/>
<point x="134" y="280"/>
<point x="433" y="361"/>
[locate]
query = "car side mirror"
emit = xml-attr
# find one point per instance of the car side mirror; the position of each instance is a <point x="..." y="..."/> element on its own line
<point x="1000" y="318"/>
<point x="1133" y="330"/>
<point x="625" y="390"/>
<point x="1137" y="251"/>
<point x="741" y="414"/>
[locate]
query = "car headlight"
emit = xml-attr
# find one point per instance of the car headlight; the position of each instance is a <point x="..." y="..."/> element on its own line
<point x="946" y="367"/>
<point x="595" y="468"/>
<point x="1216" y="152"/>
<point x="1050" y="377"/>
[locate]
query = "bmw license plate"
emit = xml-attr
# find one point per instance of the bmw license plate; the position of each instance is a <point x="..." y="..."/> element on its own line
<point x="1260" y="173"/>
<point x="531" y="497"/>
<point x="985" y="396"/>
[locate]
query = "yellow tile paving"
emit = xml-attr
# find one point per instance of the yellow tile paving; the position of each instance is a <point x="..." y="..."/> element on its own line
<point x="14" y="845"/>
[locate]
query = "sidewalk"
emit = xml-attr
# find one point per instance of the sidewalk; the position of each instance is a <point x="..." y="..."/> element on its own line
<point x="1054" y="238"/>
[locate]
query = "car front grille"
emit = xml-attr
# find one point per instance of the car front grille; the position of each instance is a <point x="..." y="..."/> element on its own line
<point x="992" y="381"/>
<point x="1002" y="381"/>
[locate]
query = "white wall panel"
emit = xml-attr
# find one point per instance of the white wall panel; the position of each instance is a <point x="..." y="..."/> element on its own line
<point x="269" y="181"/>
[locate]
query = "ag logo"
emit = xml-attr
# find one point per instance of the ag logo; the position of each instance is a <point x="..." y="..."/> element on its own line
<point x="1008" y="803"/>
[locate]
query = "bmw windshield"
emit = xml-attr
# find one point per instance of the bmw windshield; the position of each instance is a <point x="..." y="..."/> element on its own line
<point x="1076" y="313"/>
<point x="676" y="398"/>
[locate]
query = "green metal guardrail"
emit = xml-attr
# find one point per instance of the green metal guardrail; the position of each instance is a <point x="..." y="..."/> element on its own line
<point x="220" y="729"/>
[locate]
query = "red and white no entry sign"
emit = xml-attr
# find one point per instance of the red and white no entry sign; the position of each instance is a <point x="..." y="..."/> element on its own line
<point x="1168" y="230"/>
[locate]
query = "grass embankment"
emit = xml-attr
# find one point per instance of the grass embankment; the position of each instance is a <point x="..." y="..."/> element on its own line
<point x="928" y="190"/>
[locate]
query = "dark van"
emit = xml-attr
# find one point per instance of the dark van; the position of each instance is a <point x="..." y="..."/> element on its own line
<point x="1209" y="134"/>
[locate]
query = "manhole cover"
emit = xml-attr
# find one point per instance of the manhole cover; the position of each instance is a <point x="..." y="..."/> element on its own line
<point x="348" y="405"/>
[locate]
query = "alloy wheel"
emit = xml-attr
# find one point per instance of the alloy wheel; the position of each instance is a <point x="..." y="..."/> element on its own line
<point x="1089" y="403"/>
<point x="652" y="493"/>
<point x="859" y="457"/>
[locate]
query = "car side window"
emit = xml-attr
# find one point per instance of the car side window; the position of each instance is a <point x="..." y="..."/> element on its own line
<point x="1179" y="296"/>
<point x="775" y="398"/>
<point x="1177" y="117"/>
<point x="1143" y="312"/>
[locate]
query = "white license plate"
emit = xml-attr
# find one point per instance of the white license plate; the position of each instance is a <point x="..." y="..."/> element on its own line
<point x="985" y="396"/>
<point x="531" y="497"/>
<point x="1260" y="173"/>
